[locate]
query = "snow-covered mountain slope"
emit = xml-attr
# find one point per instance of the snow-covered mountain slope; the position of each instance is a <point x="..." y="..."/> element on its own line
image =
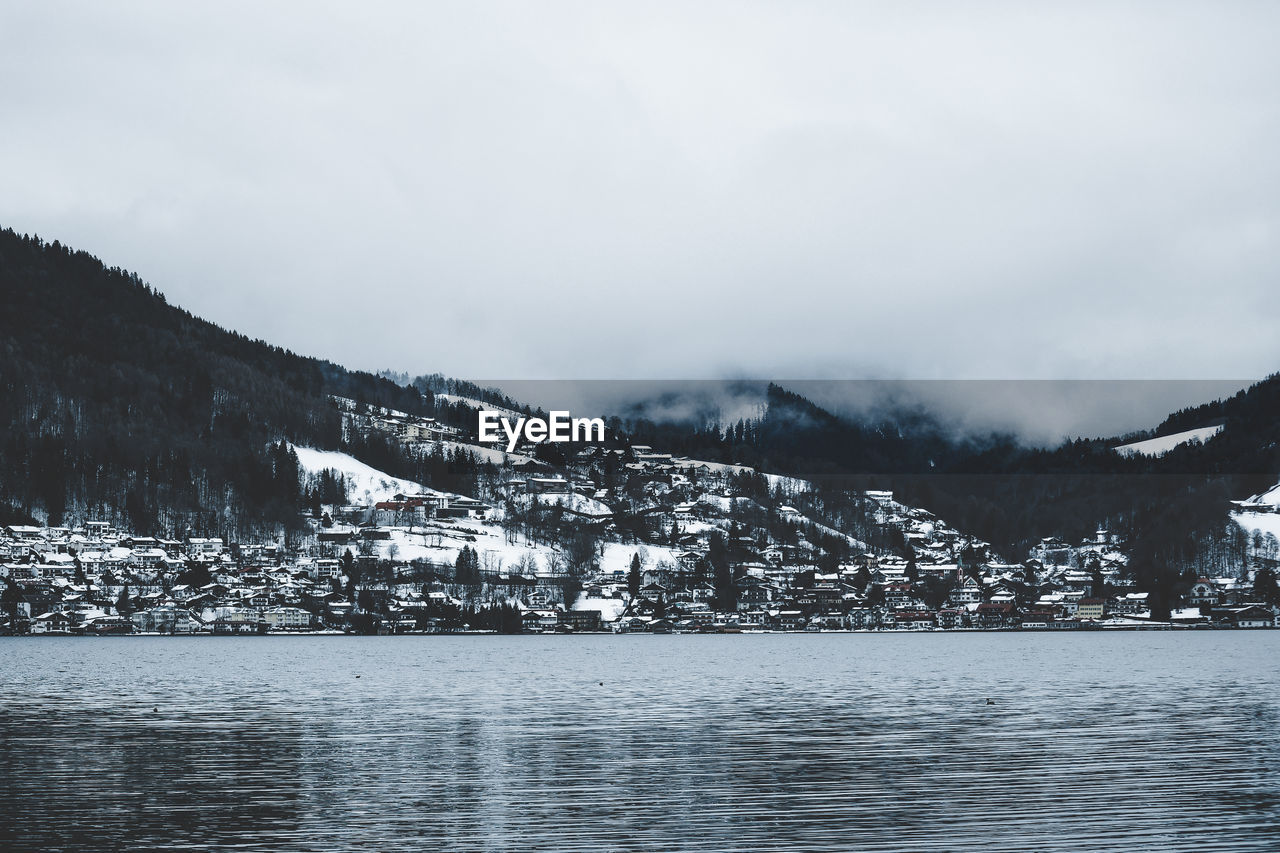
<point x="365" y="484"/>
<point x="1165" y="443"/>
<point x="438" y="542"/>
<point x="1269" y="498"/>
<point x="1258" y="522"/>
<point x="1260" y="514"/>
<point x="488" y="453"/>
<point x="479" y="404"/>
<point x="571" y="501"/>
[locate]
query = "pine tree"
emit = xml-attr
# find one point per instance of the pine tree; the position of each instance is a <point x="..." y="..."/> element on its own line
<point x="722" y="575"/>
<point x="862" y="578"/>
<point x="1096" y="579"/>
<point x="466" y="568"/>
<point x="633" y="577"/>
<point x="1264" y="586"/>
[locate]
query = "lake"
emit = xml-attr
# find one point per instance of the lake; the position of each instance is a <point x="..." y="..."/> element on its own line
<point x="870" y="742"/>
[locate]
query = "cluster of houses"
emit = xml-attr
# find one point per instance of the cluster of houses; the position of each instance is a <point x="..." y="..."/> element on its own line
<point x="92" y="579"/>
<point x="95" y="580"/>
<point x="411" y="429"/>
<point x="346" y="575"/>
<point x="986" y="596"/>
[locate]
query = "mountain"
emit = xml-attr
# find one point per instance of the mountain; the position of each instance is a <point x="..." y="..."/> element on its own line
<point x="116" y="403"/>
<point x="119" y="406"/>
<point x="1172" y="502"/>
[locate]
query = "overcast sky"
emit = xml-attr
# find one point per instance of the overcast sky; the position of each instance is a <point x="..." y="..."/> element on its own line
<point x="694" y="190"/>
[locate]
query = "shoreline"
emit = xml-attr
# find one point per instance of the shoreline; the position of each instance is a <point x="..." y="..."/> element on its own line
<point x="469" y="633"/>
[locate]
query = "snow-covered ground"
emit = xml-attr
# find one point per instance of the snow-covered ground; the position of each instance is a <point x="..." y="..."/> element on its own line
<point x="788" y="484"/>
<point x="479" y="404"/>
<point x="1264" y="520"/>
<point x="488" y="453"/>
<point x="617" y="556"/>
<point x="610" y="608"/>
<point x="365" y="484"/>
<point x="1258" y="522"/>
<point x="1165" y="443"/>
<point x="573" y="501"/>
<point x="1271" y="497"/>
<point x="439" y="542"/>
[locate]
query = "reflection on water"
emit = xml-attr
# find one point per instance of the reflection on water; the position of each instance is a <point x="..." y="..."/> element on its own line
<point x="785" y="742"/>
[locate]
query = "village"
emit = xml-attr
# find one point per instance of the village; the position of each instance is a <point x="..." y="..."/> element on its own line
<point x="623" y="539"/>
<point x="690" y="554"/>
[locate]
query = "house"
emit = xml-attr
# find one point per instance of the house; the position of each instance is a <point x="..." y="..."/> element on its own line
<point x="24" y="532"/>
<point x="630" y="625"/>
<point x="147" y="558"/>
<point x="1253" y="616"/>
<point x="106" y="624"/>
<point x="685" y="511"/>
<point x="1202" y="592"/>
<point x="1040" y="617"/>
<point x="52" y="623"/>
<point x="287" y="618"/>
<point x="203" y="549"/>
<point x="1129" y="603"/>
<point x="579" y="620"/>
<point x="325" y="569"/>
<point x="970" y="592"/>
<point x="1078" y="581"/>
<point x="547" y="486"/>
<point x="402" y="512"/>
<point x="336" y="536"/>
<point x="994" y="615"/>
<point x="899" y="594"/>
<point x="464" y="508"/>
<point x="689" y="559"/>
<point x="787" y="620"/>
<point x="1188" y="616"/>
<point x="914" y="620"/>
<point x="950" y="617"/>
<point x="540" y="620"/>
<point x="14" y="602"/>
<point x="166" y="619"/>
<point x="1091" y="609"/>
<point x="861" y="618"/>
<point x="235" y="620"/>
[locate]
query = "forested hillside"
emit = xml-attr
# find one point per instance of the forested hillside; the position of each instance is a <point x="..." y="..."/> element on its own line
<point x="1173" y="507"/>
<point x="114" y="401"/>
<point x="116" y="405"/>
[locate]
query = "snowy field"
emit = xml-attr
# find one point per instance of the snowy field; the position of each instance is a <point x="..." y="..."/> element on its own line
<point x="572" y="501"/>
<point x="487" y="453"/>
<point x="454" y="399"/>
<point x="1267" y="520"/>
<point x="1271" y="497"/>
<point x="617" y="556"/>
<point x="1165" y="443"/>
<point x="1258" y="522"/>
<point x="364" y="483"/>
<point x="440" y="542"/>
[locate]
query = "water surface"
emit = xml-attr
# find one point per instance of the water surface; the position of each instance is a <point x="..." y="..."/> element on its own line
<point x="1147" y="741"/>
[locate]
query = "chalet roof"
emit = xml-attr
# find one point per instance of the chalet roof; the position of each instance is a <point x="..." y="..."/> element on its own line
<point x="995" y="607"/>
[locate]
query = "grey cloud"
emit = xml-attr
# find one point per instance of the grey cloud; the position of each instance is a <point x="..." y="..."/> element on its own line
<point x="625" y="190"/>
